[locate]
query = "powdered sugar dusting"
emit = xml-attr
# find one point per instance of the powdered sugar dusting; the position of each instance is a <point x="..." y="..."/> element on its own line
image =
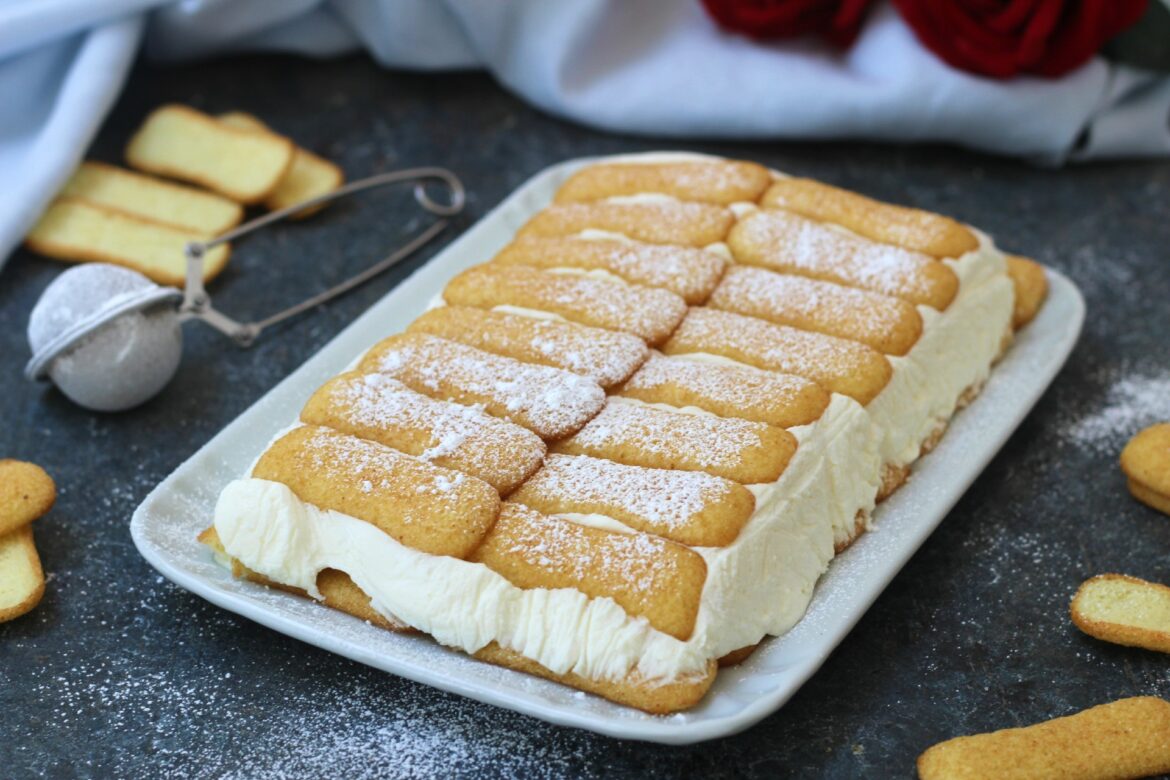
<point x="1133" y="401"/>
<point x="659" y="222"/>
<point x="549" y="401"/>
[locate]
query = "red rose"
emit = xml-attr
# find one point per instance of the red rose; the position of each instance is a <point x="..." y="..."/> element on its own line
<point x="837" y="20"/>
<point x="1001" y="38"/>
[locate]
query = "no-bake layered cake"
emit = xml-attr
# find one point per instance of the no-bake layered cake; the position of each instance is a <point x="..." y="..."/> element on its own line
<point x="622" y="450"/>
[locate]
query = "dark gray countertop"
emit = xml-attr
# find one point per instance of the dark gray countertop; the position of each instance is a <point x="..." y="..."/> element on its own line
<point x="120" y="673"/>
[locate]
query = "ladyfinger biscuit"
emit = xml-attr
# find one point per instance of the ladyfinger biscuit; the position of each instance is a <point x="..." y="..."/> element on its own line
<point x="152" y="199"/>
<point x="427" y="507"/>
<point x="1124" y="610"/>
<point x="688" y="507"/>
<point x="687" y="272"/>
<point x="1126" y="738"/>
<point x="656" y="697"/>
<point x="656" y="222"/>
<point x="639" y="435"/>
<point x="1031" y="285"/>
<point x="308" y="176"/>
<point x="1146" y="462"/>
<point x="336" y="587"/>
<point x="22" y="582"/>
<point x="647" y="576"/>
<point x="26" y="493"/>
<point x="792" y="244"/>
<point x="547" y="401"/>
<point x="728" y="390"/>
<point x="605" y="356"/>
<point x="909" y="228"/>
<point x="77" y="231"/>
<point x="717" y="181"/>
<point x="186" y="144"/>
<point x="837" y="365"/>
<point x="646" y="312"/>
<point x="382" y="409"/>
<point x="889" y="325"/>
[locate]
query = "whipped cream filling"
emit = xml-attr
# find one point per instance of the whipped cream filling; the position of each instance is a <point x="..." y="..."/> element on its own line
<point x="759" y="585"/>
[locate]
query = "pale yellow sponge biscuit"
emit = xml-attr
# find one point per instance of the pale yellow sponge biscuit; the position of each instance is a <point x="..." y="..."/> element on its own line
<point x="887" y="324"/>
<point x="837" y="365"/>
<point x="427" y="507"/>
<point x="152" y="199"/>
<point x="686" y="271"/>
<point x="77" y="231"/>
<point x="186" y="144"/>
<point x="646" y="312"/>
<point x="1146" y="461"/>
<point x="647" y="576"/>
<point x="792" y="244"/>
<point x="308" y="176"/>
<point x="910" y="228"/>
<point x="656" y="222"/>
<point x="605" y="356"/>
<point x="22" y="582"/>
<point x="26" y="493"/>
<point x="1031" y="285"/>
<point x="728" y="390"/>
<point x="1124" y="610"/>
<point x="1123" y="739"/>
<point x="638" y="435"/>
<point x="688" y="507"/>
<point x="548" y="401"/>
<point x="382" y="409"/>
<point x="714" y="181"/>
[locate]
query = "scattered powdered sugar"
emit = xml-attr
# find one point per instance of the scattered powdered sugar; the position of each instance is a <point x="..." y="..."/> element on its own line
<point x="1132" y="402"/>
<point x="664" y="498"/>
<point x="659" y="222"/>
<point x="549" y="401"/>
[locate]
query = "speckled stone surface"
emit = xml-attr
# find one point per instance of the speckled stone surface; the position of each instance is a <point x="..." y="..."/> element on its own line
<point x="119" y="673"/>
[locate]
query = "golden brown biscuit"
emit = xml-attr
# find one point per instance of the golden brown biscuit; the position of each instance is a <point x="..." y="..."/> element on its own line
<point x="1031" y="285"/>
<point x="547" y="401"/>
<point x="308" y="176"/>
<point x="649" y="313"/>
<point x="656" y="222"/>
<point x="714" y="181"/>
<point x="688" y="507"/>
<point x="647" y="576"/>
<point x="792" y="244"/>
<point x="427" y="507"/>
<point x="337" y="589"/>
<point x="837" y="365"/>
<point x="638" y="435"/>
<point x="26" y="493"/>
<point x="728" y="390"/>
<point x="186" y="208"/>
<point x="1126" y="738"/>
<point x="22" y="582"/>
<point x="605" y="356"/>
<point x="1146" y="461"/>
<point x="77" y="231"/>
<point x="687" y="272"/>
<point x="656" y="697"/>
<point x="382" y="409"/>
<point x="889" y="325"/>
<point x="183" y="143"/>
<point x="909" y="228"/>
<point x="1124" y="610"/>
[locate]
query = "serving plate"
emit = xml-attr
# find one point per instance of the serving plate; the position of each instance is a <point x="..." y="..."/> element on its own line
<point x="165" y="525"/>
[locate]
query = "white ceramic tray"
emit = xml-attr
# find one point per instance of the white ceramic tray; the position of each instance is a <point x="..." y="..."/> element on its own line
<point x="165" y="525"/>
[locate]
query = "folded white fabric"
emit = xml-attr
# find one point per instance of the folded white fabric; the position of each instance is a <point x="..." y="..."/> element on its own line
<point x="659" y="68"/>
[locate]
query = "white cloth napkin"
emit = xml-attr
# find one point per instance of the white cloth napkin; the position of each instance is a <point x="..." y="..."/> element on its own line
<point x="657" y="68"/>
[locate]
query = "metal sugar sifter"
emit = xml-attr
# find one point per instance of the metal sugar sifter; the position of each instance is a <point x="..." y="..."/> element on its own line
<point x="111" y="339"/>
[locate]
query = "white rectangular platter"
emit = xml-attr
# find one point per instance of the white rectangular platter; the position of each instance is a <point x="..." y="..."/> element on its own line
<point x="165" y="525"/>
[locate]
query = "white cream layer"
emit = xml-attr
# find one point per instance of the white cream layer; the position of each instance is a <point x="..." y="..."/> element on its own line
<point x="759" y="585"/>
